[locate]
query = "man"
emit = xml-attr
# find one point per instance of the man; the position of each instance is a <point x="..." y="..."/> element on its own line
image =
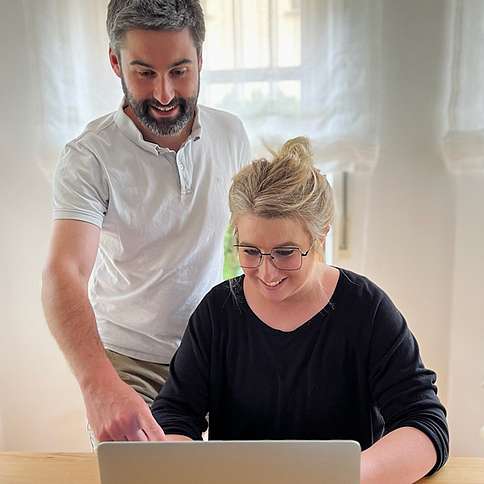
<point x="140" y="204"/>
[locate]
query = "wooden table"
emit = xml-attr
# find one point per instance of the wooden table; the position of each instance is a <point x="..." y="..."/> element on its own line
<point x="23" y="468"/>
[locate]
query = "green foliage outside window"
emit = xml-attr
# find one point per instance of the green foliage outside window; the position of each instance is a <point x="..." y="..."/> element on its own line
<point x="231" y="263"/>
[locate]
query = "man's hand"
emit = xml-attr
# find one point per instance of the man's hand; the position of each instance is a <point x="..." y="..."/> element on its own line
<point x="116" y="412"/>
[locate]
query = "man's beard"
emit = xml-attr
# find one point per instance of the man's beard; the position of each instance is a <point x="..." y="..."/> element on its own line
<point x="162" y="127"/>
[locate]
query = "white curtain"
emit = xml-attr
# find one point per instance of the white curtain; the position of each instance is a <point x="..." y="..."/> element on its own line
<point x="72" y="79"/>
<point x="299" y="67"/>
<point x="463" y="144"/>
<point x="287" y="67"/>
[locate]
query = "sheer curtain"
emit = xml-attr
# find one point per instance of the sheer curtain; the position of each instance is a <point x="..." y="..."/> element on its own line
<point x="73" y="82"/>
<point x="298" y="67"/>
<point x="287" y="67"/>
<point x="463" y="144"/>
<point x="463" y="150"/>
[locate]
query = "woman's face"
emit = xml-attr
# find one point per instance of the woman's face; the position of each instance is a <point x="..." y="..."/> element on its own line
<point x="265" y="234"/>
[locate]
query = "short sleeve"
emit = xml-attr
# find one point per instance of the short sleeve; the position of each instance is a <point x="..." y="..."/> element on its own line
<point x="81" y="190"/>
<point x="245" y="154"/>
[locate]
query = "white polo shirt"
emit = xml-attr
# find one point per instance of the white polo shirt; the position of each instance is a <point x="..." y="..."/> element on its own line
<point x="163" y="216"/>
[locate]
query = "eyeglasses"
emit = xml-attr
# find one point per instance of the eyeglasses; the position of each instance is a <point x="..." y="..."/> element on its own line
<point x="284" y="258"/>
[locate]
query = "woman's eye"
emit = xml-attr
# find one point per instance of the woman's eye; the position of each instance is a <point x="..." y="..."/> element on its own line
<point x="284" y="252"/>
<point x="251" y="252"/>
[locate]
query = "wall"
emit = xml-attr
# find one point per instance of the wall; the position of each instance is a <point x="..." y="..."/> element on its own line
<point x="466" y="376"/>
<point x="410" y="208"/>
<point x="2" y="440"/>
<point x="42" y="410"/>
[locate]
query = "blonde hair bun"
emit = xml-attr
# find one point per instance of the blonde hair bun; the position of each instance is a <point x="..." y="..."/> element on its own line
<point x="287" y="186"/>
<point x="297" y="149"/>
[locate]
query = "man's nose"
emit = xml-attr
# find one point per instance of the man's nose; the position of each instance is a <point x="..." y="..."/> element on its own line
<point x="164" y="91"/>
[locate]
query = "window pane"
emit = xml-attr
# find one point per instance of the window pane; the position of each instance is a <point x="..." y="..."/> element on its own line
<point x="249" y="99"/>
<point x="255" y="92"/>
<point x="218" y="95"/>
<point x="287" y="97"/>
<point x="253" y="24"/>
<point x="245" y="99"/>
<point x="247" y="34"/>
<point x="219" y="47"/>
<point x="288" y="33"/>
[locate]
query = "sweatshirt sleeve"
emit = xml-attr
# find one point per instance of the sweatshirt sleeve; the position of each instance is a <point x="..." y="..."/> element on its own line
<point x="182" y="404"/>
<point x="402" y="388"/>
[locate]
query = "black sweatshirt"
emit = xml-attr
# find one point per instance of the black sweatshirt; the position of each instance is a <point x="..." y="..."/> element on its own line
<point x="353" y="371"/>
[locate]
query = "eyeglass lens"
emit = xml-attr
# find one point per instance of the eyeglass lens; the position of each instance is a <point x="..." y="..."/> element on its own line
<point x="284" y="258"/>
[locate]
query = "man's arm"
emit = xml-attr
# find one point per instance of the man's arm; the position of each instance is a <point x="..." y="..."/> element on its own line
<point x="114" y="410"/>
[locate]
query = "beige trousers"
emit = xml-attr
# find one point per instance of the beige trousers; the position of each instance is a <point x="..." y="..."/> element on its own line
<point x="145" y="377"/>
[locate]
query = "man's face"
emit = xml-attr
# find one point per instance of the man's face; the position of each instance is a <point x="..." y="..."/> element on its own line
<point x="160" y="73"/>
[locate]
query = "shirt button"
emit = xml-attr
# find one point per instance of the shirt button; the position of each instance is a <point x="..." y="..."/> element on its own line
<point x="181" y="167"/>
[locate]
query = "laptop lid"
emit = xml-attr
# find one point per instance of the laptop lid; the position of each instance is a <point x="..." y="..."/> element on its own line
<point x="230" y="462"/>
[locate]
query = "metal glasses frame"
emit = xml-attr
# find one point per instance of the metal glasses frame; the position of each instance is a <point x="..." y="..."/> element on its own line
<point x="261" y="254"/>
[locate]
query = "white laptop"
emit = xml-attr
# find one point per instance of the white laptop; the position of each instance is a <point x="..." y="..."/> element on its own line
<point x="230" y="462"/>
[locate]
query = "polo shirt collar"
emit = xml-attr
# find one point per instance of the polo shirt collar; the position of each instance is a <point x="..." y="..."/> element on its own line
<point x="131" y="131"/>
<point x="196" y="133"/>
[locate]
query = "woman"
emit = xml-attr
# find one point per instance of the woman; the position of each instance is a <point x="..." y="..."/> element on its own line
<point x="297" y="349"/>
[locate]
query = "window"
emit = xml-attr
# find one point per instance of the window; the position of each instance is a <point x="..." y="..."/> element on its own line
<point x="252" y="59"/>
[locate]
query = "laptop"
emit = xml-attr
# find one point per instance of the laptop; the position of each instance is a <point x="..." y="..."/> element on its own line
<point x="230" y="462"/>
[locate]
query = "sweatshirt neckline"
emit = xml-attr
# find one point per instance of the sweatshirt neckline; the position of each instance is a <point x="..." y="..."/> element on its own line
<point x="319" y="316"/>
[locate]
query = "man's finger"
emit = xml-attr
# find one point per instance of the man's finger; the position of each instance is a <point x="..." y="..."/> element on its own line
<point x="106" y="435"/>
<point x="153" y="430"/>
<point x="137" y="436"/>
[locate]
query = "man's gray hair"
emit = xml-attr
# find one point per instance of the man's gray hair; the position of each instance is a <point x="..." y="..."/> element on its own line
<point x="174" y="15"/>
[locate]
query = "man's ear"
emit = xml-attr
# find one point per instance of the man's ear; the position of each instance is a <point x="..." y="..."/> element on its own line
<point x="115" y="61"/>
<point x="200" y="62"/>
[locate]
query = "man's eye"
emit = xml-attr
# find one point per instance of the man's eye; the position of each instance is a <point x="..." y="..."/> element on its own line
<point x="251" y="252"/>
<point x="146" y="73"/>
<point x="178" y="72"/>
<point x="284" y="252"/>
